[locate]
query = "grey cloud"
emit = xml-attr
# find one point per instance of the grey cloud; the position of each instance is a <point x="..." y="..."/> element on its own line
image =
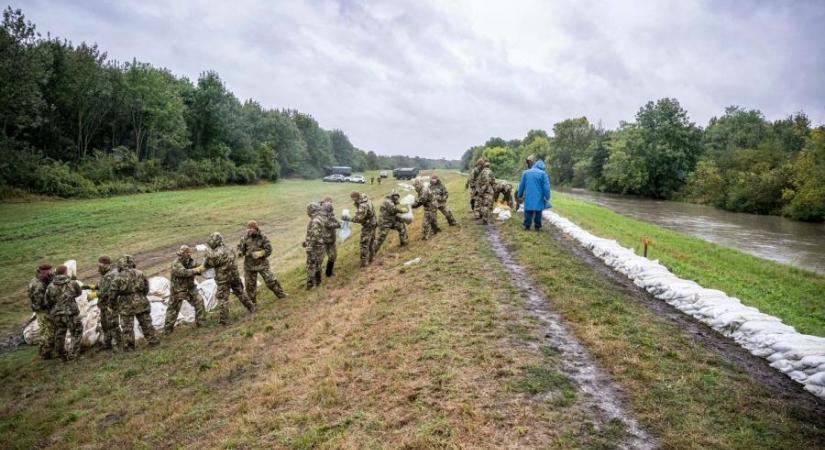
<point x="433" y="78"/>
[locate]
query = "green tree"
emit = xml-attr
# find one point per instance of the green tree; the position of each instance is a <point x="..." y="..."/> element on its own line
<point x="571" y="139"/>
<point x="807" y="198"/>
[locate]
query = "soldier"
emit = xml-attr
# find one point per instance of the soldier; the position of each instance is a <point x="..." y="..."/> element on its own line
<point x="485" y="186"/>
<point x="330" y="225"/>
<point x="365" y="215"/>
<point x="314" y="245"/>
<point x="390" y="210"/>
<point x="129" y="290"/>
<point x="221" y="258"/>
<point x="105" y="302"/>
<point x="471" y="183"/>
<point x="505" y="190"/>
<point x="256" y="249"/>
<point x="440" y="193"/>
<point x="61" y="294"/>
<point x="183" y="274"/>
<point x="372" y="180"/>
<point x="427" y="200"/>
<point x="42" y="309"/>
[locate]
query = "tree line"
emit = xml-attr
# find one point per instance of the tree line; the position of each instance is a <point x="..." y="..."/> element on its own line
<point x="740" y="162"/>
<point x="77" y="124"/>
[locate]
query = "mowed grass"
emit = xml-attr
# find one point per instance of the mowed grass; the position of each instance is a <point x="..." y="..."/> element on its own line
<point x="151" y="226"/>
<point x="684" y="393"/>
<point x="434" y="355"/>
<point x="795" y="295"/>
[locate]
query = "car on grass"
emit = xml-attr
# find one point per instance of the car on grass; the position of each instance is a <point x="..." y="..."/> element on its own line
<point x="356" y="179"/>
<point x="334" y="178"/>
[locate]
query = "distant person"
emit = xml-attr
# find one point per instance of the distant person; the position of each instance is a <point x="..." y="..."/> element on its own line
<point x="389" y="220"/>
<point x="331" y="225"/>
<point x="222" y="258"/>
<point x="256" y="250"/>
<point x="62" y="294"/>
<point x="530" y="160"/>
<point x="534" y="189"/>
<point x="37" y="296"/>
<point x="130" y="289"/>
<point x="184" y="289"/>
<point x="372" y="180"/>
<point x="441" y="195"/>
<point x="379" y="181"/>
<point x="314" y="245"/>
<point x="485" y="187"/>
<point x="426" y="199"/>
<point x="365" y="215"/>
<point x="504" y="190"/>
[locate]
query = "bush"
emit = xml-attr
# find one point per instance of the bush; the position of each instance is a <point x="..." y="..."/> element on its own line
<point x="245" y="174"/>
<point x="60" y="180"/>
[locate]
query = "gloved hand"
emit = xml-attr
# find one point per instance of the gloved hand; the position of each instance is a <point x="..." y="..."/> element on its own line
<point x="89" y="287"/>
<point x="199" y="270"/>
<point x="92" y="295"/>
<point x="259" y="254"/>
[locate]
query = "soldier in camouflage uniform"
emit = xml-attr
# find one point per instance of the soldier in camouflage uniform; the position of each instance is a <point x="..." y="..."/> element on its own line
<point x="331" y="224"/>
<point x="485" y="186"/>
<point x="256" y="249"/>
<point x="221" y="258"/>
<point x="105" y="302"/>
<point x="365" y="215"/>
<point x="389" y="220"/>
<point x="471" y="183"/>
<point x="184" y="289"/>
<point x="505" y="190"/>
<point x="440" y="193"/>
<point x="61" y="294"/>
<point x="314" y="245"/>
<point x="42" y="309"/>
<point x="427" y="200"/>
<point x="129" y="290"/>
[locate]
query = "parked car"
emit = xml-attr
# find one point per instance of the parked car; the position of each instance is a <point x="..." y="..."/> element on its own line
<point x="334" y="178"/>
<point x="383" y="174"/>
<point x="356" y="179"/>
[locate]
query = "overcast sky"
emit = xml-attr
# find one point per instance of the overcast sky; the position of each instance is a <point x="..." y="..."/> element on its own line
<point x="433" y="78"/>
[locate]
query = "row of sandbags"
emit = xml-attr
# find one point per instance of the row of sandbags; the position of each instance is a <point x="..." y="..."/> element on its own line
<point x="799" y="356"/>
<point x="159" y="293"/>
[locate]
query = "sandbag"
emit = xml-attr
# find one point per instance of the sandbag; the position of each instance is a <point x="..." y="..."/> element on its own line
<point x="345" y="231"/>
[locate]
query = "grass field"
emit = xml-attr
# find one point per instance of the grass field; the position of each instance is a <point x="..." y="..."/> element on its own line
<point x="435" y="355"/>
<point x="796" y="296"/>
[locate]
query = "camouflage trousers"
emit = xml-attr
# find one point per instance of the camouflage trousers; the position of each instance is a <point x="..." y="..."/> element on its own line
<point x="176" y="301"/>
<point x="366" y="244"/>
<point x="127" y="325"/>
<point x="383" y="231"/>
<point x="108" y="324"/>
<point x="234" y="286"/>
<point x="63" y="324"/>
<point x="330" y="251"/>
<point x="251" y="283"/>
<point x="485" y="206"/>
<point x="476" y="200"/>
<point x="448" y="214"/>
<point x="315" y="256"/>
<point x="430" y="224"/>
<point x="45" y="325"/>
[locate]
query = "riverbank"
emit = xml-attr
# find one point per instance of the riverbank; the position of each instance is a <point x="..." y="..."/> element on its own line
<point x="796" y="296"/>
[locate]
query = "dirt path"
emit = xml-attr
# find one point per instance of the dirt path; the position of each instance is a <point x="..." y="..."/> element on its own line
<point x="600" y="395"/>
<point x="758" y="368"/>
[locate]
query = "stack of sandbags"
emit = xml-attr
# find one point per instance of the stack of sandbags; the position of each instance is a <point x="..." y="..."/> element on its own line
<point x="801" y="357"/>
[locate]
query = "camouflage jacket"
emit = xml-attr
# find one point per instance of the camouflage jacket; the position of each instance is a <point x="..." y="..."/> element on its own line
<point x="365" y="213"/>
<point x="315" y="232"/>
<point x="485" y="181"/>
<point x="61" y="294"/>
<point x="439" y="192"/>
<point x="130" y="289"/>
<point x="472" y="177"/>
<point x="503" y="187"/>
<point x="183" y="277"/>
<point x="105" y="294"/>
<point x="389" y="213"/>
<point x="250" y="244"/>
<point x="37" y="295"/>
<point x="222" y="259"/>
<point x="425" y="198"/>
<point x="330" y="223"/>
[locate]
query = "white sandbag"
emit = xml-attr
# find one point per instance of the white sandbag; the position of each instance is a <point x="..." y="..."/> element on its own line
<point x="201" y="247"/>
<point x="497" y="210"/>
<point x="31" y="332"/>
<point x="207" y="289"/>
<point x="209" y="274"/>
<point x="345" y="231"/>
<point x="504" y="214"/>
<point x="408" y="200"/>
<point x="797" y="355"/>
<point x="160" y="287"/>
<point x="71" y="268"/>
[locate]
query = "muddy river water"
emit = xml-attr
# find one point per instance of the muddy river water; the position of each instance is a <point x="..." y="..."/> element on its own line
<point x="779" y="239"/>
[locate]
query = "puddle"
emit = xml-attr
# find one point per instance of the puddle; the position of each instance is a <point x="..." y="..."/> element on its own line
<point x="599" y="393"/>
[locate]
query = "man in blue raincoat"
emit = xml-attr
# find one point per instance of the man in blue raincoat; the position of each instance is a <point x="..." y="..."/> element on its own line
<point x="534" y="190"/>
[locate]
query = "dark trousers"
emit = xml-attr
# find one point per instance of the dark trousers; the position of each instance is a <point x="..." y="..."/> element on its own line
<point x="532" y="217"/>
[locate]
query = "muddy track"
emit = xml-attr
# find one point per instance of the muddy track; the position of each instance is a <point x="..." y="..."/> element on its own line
<point x="758" y="368"/>
<point x="600" y="396"/>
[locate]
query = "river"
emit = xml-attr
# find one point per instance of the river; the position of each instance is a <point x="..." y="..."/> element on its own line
<point x="799" y="244"/>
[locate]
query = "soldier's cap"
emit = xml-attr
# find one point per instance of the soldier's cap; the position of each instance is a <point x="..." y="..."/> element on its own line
<point x="252" y="224"/>
<point x="61" y="270"/>
<point x="104" y="260"/>
<point x="44" y="267"/>
<point x="395" y="193"/>
<point x="355" y="194"/>
<point x="434" y="177"/>
<point x="531" y="158"/>
<point x="312" y="208"/>
<point x="184" y="250"/>
<point x="327" y="199"/>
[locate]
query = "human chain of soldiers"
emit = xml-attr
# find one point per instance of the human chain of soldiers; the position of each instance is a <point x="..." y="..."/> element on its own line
<point x="122" y="291"/>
